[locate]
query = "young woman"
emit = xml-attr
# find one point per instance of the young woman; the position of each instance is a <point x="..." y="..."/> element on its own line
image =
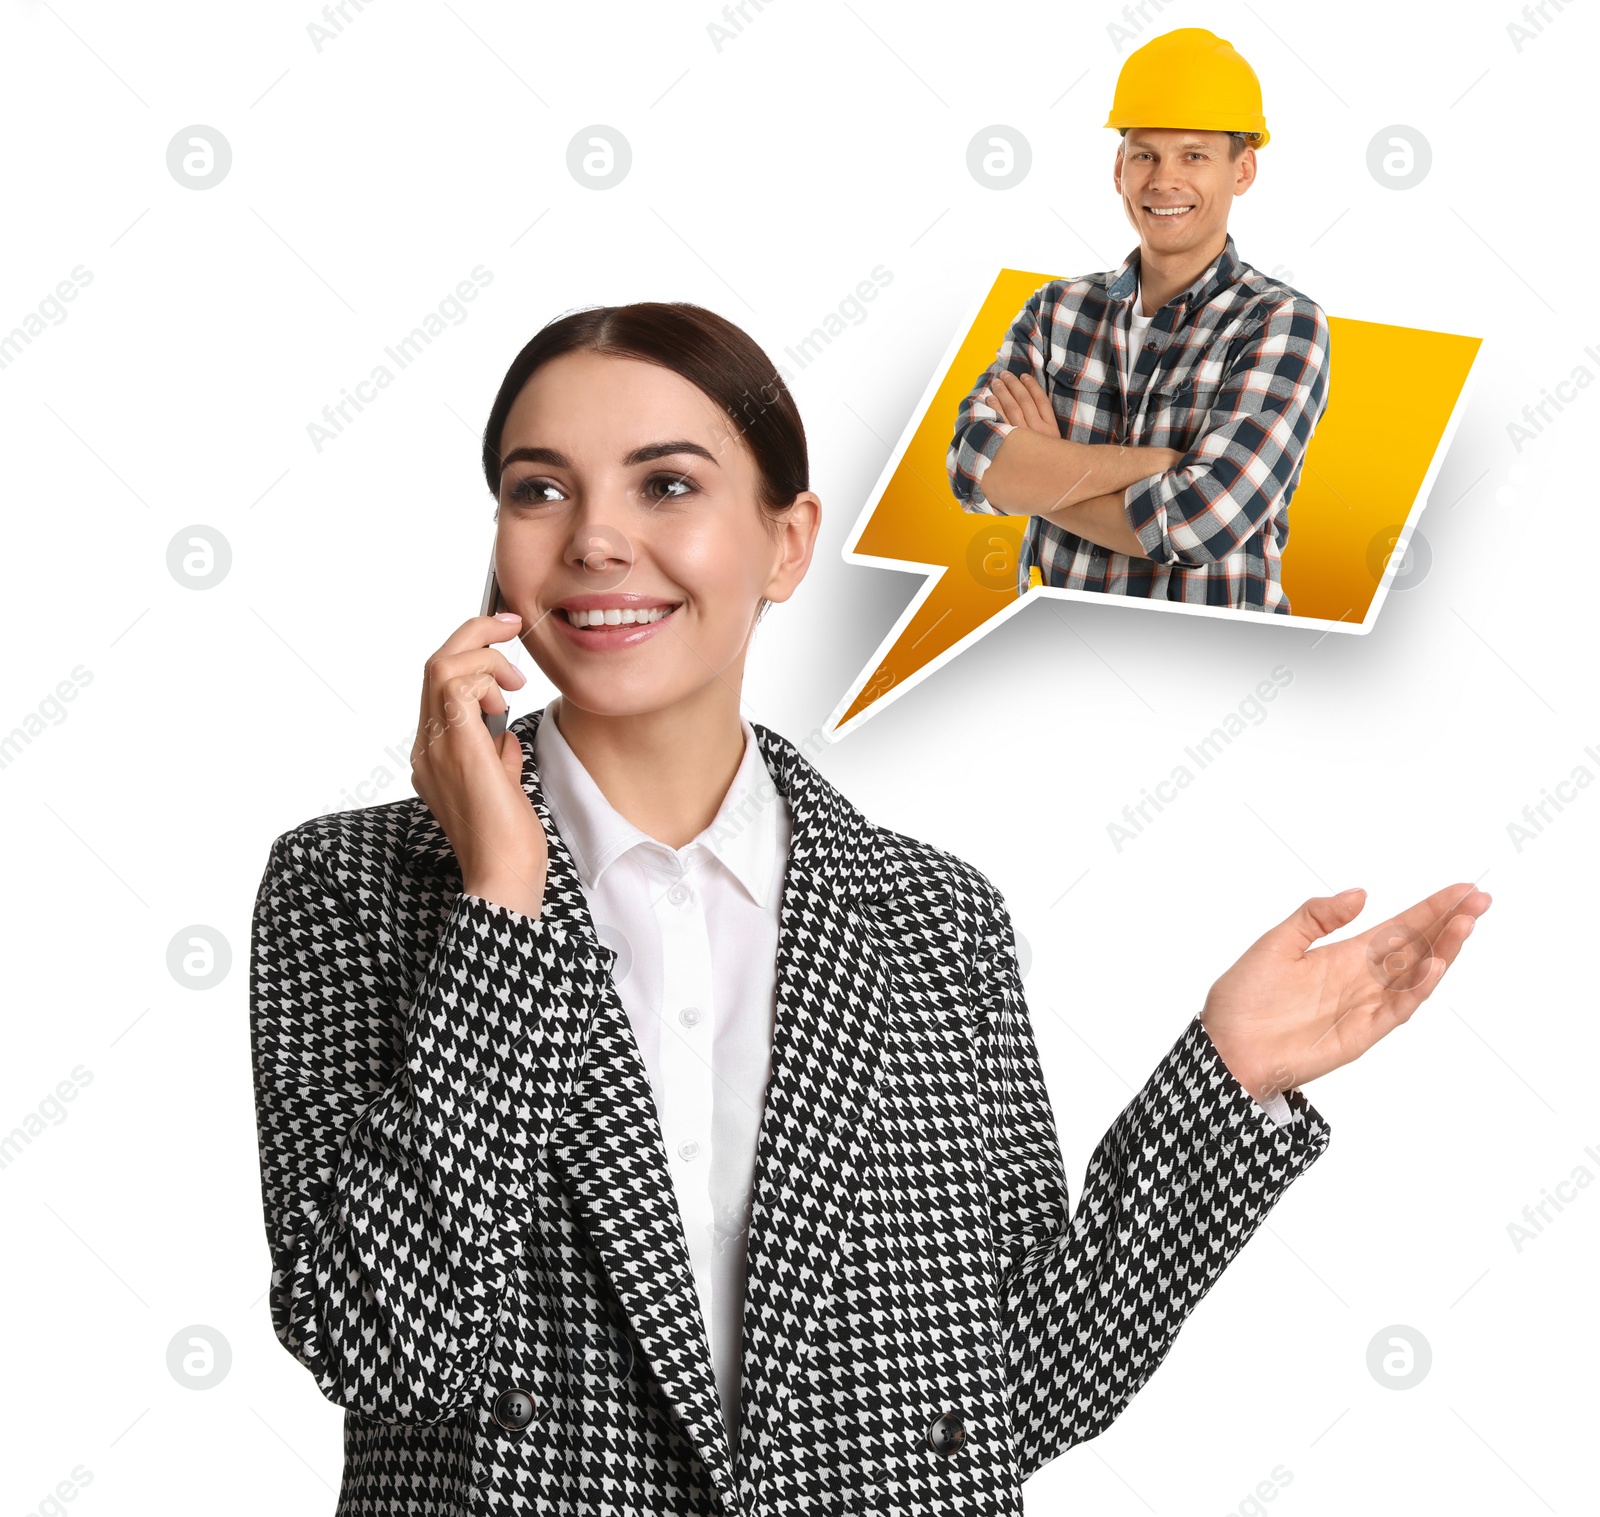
<point x="643" y="1129"/>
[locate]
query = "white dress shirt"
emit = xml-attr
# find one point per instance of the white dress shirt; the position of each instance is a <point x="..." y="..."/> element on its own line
<point x="696" y="929"/>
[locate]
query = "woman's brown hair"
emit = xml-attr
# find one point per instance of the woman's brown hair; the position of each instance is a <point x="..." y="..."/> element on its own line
<point x="720" y="359"/>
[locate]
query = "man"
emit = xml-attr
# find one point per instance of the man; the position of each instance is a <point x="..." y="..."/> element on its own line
<point x="1151" y="421"/>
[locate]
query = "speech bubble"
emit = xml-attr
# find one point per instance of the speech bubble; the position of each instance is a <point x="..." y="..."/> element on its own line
<point x="1361" y="475"/>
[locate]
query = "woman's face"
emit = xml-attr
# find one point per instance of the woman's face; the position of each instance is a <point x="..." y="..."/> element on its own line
<point x="626" y="490"/>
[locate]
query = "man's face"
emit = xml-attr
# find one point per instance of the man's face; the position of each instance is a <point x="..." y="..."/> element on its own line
<point x="1177" y="186"/>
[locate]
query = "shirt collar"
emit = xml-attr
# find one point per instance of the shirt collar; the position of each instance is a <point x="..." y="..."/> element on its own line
<point x="746" y="834"/>
<point x="1221" y="272"/>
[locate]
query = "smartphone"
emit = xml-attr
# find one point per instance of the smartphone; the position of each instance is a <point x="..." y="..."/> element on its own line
<point x="495" y="721"/>
<point x="491" y="593"/>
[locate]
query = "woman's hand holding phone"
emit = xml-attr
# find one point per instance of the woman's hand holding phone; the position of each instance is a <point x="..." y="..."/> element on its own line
<point x="472" y="781"/>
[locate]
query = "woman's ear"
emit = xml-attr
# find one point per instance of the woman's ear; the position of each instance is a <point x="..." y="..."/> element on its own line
<point x="796" y="538"/>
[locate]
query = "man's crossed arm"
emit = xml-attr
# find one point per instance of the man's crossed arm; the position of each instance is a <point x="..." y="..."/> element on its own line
<point x="1190" y="508"/>
<point x="1077" y="485"/>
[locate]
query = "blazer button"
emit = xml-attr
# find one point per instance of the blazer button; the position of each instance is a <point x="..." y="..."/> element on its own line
<point x="514" y="1411"/>
<point x="947" y="1434"/>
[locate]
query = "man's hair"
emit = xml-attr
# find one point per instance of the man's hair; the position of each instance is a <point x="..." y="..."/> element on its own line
<point x="1237" y="141"/>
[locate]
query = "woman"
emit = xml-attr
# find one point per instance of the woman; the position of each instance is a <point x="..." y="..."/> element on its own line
<point x="642" y="1128"/>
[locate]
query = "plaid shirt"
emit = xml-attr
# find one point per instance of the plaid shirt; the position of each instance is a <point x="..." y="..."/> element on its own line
<point x="1233" y="373"/>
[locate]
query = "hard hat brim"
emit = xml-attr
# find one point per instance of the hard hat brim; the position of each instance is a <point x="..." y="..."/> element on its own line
<point x="1256" y="128"/>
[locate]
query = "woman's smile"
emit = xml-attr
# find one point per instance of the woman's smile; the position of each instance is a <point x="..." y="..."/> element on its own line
<point x="612" y="620"/>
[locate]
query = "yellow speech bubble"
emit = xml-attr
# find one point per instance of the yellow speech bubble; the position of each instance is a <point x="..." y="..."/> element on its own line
<point x="1395" y="396"/>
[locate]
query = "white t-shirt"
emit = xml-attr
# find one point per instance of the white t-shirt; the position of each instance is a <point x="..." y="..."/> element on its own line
<point x="1138" y="325"/>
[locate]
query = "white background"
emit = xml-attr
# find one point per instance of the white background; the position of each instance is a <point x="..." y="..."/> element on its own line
<point x="769" y="176"/>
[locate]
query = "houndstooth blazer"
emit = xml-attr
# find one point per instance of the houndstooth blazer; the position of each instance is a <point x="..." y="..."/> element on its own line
<point x="477" y="1251"/>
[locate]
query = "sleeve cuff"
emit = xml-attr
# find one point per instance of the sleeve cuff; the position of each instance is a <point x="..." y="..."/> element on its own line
<point x="1213" y="1106"/>
<point x="498" y="979"/>
<point x="1147" y="515"/>
<point x="985" y="438"/>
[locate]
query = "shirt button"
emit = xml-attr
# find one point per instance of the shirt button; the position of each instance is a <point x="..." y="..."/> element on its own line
<point x="678" y="894"/>
<point x="1152" y="347"/>
<point x="688" y="1150"/>
<point x="689" y="1015"/>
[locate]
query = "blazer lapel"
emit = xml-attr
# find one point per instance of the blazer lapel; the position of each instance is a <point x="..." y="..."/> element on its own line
<point x="609" y="1154"/>
<point x="611" y="1157"/>
<point x="833" y="996"/>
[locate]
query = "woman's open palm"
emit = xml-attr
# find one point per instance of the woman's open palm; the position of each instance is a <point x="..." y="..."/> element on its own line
<point x="1287" y="1012"/>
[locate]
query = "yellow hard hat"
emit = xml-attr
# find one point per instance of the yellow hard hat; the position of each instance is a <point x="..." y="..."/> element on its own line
<point x="1189" y="78"/>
